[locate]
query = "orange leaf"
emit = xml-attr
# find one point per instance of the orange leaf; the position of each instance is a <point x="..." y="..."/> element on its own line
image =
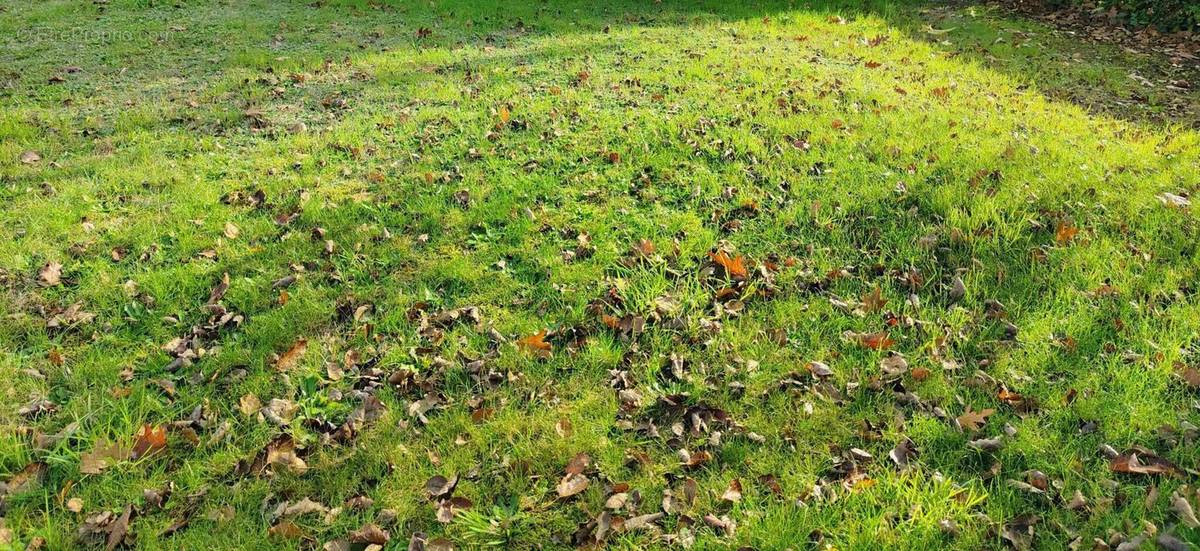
<point x="1009" y="397"/>
<point x="644" y="247"/>
<point x="290" y="358"/>
<point x="536" y="342"/>
<point x="1065" y="233"/>
<point x="874" y="341"/>
<point x="734" y="267"/>
<point x="148" y="440"/>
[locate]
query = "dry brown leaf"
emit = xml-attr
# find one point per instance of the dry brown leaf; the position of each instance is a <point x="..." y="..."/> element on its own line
<point x="249" y="404"/>
<point x="1184" y="510"/>
<point x="1142" y="461"/>
<point x="370" y="534"/>
<point x="282" y="452"/>
<point x="218" y="291"/>
<point x="571" y="484"/>
<point x="733" y="493"/>
<point x="28" y="479"/>
<point x="102" y="456"/>
<point x="974" y="420"/>
<point x="288" y="360"/>
<point x="439" y="486"/>
<point x="644" y="247"/>
<point x="119" y="529"/>
<point x="579" y="463"/>
<point x="287" y="530"/>
<point x="50" y="274"/>
<point x="874" y="301"/>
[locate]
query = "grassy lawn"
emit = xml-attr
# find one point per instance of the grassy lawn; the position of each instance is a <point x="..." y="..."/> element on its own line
<point x="628" y="274"/>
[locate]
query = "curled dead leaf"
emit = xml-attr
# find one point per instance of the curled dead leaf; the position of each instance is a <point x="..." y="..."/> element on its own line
<point x="1142" y="461"/>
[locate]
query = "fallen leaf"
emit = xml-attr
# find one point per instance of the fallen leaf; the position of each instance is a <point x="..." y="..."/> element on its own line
<point x="1171" y="543"/>
<point x="282" y="451"/>
<point x="287" y="530"/>
<point x="303" y="507"/>
<point x="579" y="463"/>
<point x="249" y="404"/>
<point x="733" y="493"/>
<point x="289" y="359"/>
<point x="232" y="231"/>
<point x="1065" y="233"/>
<point x="439" y="486"/>
<point x="1190" y="375"/>
<point x="819" y="370"/>
<point x="1019" y="531"/>
<point x="644" y="248"/>
<point x="874" y="301"/>
<point x="536" y="343"/>
<point x="904" y="451"/>
<point x="771" y="483"/>
<point x="1141" y="461"/>
<point x="571" y="484"/>
<point x="218" y="291"/>
<point x="28" y="479"/>
<point x="735" y="267"/>
<point x="958" y="289"/>
<point x="148" y="440"/>
<point x="370" y="534"/>
<point x="640" y="521"/>
<point x="50" y="274"/>
<point x="30" y="157"/>
<point x="874" y="341"/>
<point x="1170" y="200"/>
<point x="974" y="420"/>
<point x="102" y="456"/>
<point x="119" y="529"/>
<point x="894" y="365"/>
<point x="1184" y="510"/>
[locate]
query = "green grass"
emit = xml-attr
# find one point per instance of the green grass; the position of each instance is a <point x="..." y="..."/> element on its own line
<point x="839" y="148"/>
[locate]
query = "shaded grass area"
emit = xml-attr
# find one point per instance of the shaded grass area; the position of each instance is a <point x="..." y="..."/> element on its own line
<point x="416" y="159"/>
